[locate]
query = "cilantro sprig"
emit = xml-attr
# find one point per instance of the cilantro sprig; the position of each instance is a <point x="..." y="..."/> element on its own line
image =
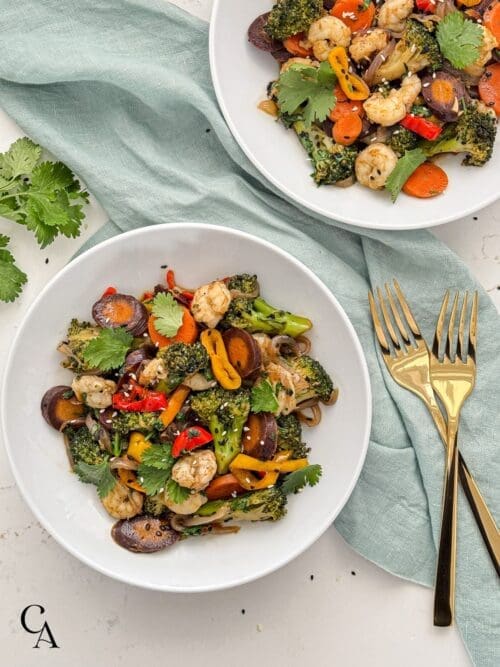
<point x="404" y="168"/>
<point x="177" y="493"/>
<point x="296" y="481"/>
<point x="155" y="468"/>
<point x="12" y="278"/>
<point x="262" y="397"/>
<point x="108" y="350"/>
<point x="459" y="39"/>
<point x="99" y="474"/>
<point x="307" y="88"/>
<point x="45" y="197"/>
<point x="168" y="314"/>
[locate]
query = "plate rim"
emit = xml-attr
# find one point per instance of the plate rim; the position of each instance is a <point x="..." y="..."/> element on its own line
<point x="444" y="219"/>
<point x="135" y="581"/>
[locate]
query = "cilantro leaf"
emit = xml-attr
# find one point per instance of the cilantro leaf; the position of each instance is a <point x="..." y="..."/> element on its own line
<point x="159" y="456"/>
<point x="108" y="350"/>
<point x="310" y="88"/>
<point x="20" y="159"/>
<point x="404" y="168"/>
<point x="99" y="474"/>
<point x="297" y="480"/>
<point x="12" y="278"/>
<point x="459" y="39"/>
<point x="168" y="314"/>
<point x="262" y="397"/>
<point x="177" y="493"/>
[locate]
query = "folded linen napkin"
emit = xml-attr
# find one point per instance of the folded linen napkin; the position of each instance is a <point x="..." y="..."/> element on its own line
<point x="120" y="90"/>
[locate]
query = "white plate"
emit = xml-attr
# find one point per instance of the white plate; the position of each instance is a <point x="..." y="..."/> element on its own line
<point x="71" y="511"/>
<point x="241" y="72"/>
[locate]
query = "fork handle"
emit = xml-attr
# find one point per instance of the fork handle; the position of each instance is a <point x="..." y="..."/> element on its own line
<point x="484" y="520"/>
<point x="444" y="594"/>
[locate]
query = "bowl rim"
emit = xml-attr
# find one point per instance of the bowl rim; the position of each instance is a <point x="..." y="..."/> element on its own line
<point x="356" y="222"/>
<point x="55" y="533"/>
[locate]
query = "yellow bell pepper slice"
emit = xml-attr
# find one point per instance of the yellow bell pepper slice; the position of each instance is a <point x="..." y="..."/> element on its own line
<point x="251" y="482"/>
<point x="175" y="403"/>
<point x="129" y="478"/>
<point x="352" y="85"/>
<point x="245" y="462"/>
<point x="137" y="445"/>
<point x="224" y="372"/>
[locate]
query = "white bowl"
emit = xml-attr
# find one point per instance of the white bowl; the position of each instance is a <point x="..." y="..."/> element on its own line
<point x="72" y="512"/>
<point x="240" y="74"/>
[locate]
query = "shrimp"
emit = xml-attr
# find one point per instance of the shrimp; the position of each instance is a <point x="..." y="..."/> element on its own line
<point x="210" y="303"/>
<point x="195" y="471"/>
<point x="364" y="45"/>
<point x="327" y="32"/>
<point x="393" y="14"/>
<point x="391" y="109"/>
<point x="488" y="44"/>
<point x="94" y="391"/>
<point x="122" y="502"/>
<point x="374" y="164"/>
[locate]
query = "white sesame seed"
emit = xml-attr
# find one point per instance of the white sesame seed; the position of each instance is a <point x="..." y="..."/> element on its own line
<point x="109" y="421"/>
<point x="426" y="84"/>
<point x="245" y="428"/>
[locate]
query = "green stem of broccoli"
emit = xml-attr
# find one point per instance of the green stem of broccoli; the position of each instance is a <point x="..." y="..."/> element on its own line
<point x="294" y="324"/>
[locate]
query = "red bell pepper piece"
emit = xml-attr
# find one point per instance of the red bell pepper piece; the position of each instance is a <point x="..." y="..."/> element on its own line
<point x="428" y="6"/>
<point x="170" y="278"/>
<point x="109" y="290"/>
<point x="189" y="439"/>
<point x="139" y="399"/>
<point x="421" y="126"/>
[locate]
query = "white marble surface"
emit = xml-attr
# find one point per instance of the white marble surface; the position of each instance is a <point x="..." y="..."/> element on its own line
<point x="329" y="606"/>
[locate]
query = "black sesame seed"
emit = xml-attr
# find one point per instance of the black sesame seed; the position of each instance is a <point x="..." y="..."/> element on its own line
<point x="474" y="217"/>
<point x="353" y="573"/>
<point x="311" y="577"/>
<point x="207" y="130"/>
<point x="163" y="266"/>
<point x="46" y="260"/>
<point x="243" y="611"/>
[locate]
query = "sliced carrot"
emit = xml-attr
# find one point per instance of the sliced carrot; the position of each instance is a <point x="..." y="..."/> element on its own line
<point x="347" y="129"/>
<point x="344" y="108"/>
<point x="223" y="487"/>
<point x="489" y="87"/>
<point x="428" y="180"/>
<point x="339" y="94"/>
<point x="188" y="331"/>
<point x="129" y="478"/>
<point x="353" y="14"/>
<point x="491" y="19"/>
<point x="443" y="91"/>
<point x="295" y="46"/>
<point x="175" y="403"/>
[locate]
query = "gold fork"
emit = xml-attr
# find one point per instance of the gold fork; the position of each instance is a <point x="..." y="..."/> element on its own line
<point x="453" y="376"/>
<point x="409" y="365"/>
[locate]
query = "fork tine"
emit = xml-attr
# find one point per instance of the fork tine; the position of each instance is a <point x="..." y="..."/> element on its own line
<point x="449" y="349"/>
<point x="406" y="310"/>
<point x="461" y="327"/>
<point x="440" y="325"/>
<point x="397" y="317"/>
<point x="379" y="330"/>
<point x="387" y="320"/>
<point x="473" y="328"/>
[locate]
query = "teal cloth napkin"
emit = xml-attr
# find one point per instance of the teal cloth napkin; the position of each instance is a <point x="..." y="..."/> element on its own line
<point x="121" y="92"/>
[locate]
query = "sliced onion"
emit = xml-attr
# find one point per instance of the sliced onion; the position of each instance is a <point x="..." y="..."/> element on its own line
<point x="181" y="521"/>
<point x="284" y="341"/>
<point x="304" y="344"/>
<point x="124" y="463"/>
<point x="91" y="424"/>
<point x="334" y="396"/>
<point x="378" y="61"/>
<point x="346" y="182"/>
<point x="381" y="135"/>
<point x="425" y="18"/>
<point x="444" y="8"/>
<point x="221" y="529"/>
<point x="68" y="451"/>
<point x="198" y="382"/>
<point x="104" y="439"/>
<point x="312" y="420"/>
<point x="80" y="421"/>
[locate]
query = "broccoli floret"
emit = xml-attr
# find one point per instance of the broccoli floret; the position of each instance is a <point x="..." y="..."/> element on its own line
<point x="314" y="380"/>
<point x="474" y="134"/>
<point x="265" y="505"/>
<point x="182" y="360"/>
<point x="403" y="140"/>
<point x="154" y="505"/>
<point x="416" y="50"/>
<point x="290" y="436"/>
<point x="244" y="283"/>
<point x="144" y="422"/>
<point x="82" y="446"/>
<point x="79" y="334"/>
<point x="257" y="315"/>
<point x="225" y="414"/>
<point x="289" y="17"/>
<point x="332" y="162"/>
